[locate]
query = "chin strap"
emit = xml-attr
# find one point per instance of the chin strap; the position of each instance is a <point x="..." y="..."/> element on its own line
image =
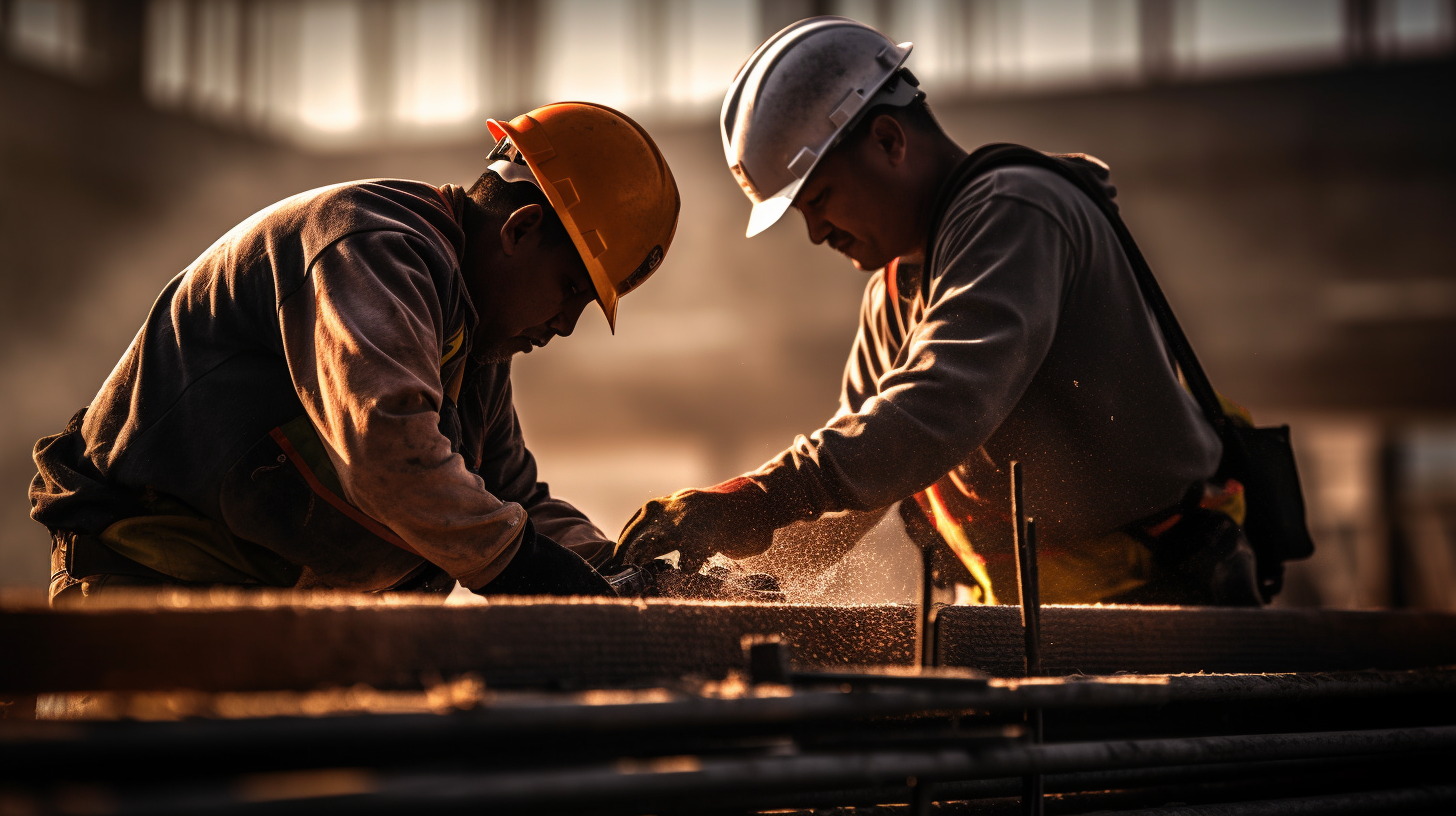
<point x="507" y="162"/>
<point x="510" y="171"/>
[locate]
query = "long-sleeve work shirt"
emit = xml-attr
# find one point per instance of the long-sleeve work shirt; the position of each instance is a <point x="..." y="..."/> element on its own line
<point x="346" y="305"/>
<point x="1033" y="344"/>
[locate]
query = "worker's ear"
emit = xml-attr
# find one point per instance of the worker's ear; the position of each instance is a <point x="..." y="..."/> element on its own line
<point x="519" y="226"/>
<point x="888" y="138"/>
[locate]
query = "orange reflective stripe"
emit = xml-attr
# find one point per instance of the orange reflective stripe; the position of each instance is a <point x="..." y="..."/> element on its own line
<point x="329" y="496"/>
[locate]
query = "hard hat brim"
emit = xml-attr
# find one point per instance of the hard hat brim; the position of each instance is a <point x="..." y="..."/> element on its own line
<point x="606" y="292"/>
<point x="766" y="213"/>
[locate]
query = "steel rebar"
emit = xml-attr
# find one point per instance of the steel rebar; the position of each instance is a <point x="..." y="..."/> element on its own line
<point x="680" y="782"/>
<point x="1400" y="800"/>
<point x="1024" y="535"/>
<point x="51" y="748"/>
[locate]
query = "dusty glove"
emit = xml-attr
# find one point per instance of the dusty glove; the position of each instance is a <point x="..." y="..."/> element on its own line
<point x="543" y="567"/>
<point x="736" y="518"/>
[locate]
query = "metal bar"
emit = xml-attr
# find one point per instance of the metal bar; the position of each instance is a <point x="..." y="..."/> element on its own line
<point x="1361" y="685"/>
<point x="1024" y="534"/>
<point x="921" y="800"/>
<point x="1033" y="786"/>
<point x="1033" y="794"/>
<point x="1018" y="538"/>
<point x="1031" y="599"/>
<point x="947" y="681"/>
<point x="1140" y="787"/>
<point x="927" y="607"/>
<point x="1343" y="804"/>
<point x="645" y="788"/>
<point x="1338" y="770"/>
<point x="48" y="748"/>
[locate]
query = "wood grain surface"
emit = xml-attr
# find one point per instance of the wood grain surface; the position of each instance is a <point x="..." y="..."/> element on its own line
<point x="1159" y="640"/>
<point x="208" y="642"/>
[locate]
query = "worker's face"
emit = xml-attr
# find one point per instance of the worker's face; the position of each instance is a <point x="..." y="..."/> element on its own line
<point x="527" y="293"/>
<point x="855" y="200"/>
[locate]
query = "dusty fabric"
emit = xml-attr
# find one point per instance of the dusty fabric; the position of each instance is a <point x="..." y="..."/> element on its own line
<point x="1033" y="345"/>
<point x="196" y="549"/>
<point x="344" y="304"/>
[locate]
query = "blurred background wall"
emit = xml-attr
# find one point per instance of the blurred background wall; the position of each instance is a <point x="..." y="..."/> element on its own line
<point x="1284" y="163"/>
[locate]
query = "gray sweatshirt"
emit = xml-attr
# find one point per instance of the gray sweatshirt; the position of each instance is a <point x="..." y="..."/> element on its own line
<point x="1034" y="345"/>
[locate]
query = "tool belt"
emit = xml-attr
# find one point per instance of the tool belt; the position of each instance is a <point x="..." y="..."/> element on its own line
<point x="77" y="556"/>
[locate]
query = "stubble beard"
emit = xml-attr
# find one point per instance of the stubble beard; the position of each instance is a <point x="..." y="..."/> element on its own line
<point x="497" y="353"/>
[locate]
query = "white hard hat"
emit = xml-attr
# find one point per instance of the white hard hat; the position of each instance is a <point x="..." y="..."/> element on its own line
<point x="799" y="93"/>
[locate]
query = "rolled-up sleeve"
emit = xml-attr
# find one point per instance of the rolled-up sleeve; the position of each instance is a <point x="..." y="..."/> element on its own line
<point x="1003" y="266"/>
<point x="363" y="340"/>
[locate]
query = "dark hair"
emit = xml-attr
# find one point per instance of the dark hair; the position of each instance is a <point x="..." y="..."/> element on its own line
<point x="914" y="116"/>
<point x="499" y="198"/>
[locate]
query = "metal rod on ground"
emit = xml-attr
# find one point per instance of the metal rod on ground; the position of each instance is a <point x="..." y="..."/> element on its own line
<point x="1401" y="800"/>
<point x="920" y="802"/>
<point x="48" y="748"/>
<point x="1023" y="533"/>
<point x="1033" y="796"/>
<point x="1316" y="776"/>
<point x="609" y="788"/>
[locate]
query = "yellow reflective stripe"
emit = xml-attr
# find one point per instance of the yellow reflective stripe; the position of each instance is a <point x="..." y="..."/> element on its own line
<point x="453" y="345"/>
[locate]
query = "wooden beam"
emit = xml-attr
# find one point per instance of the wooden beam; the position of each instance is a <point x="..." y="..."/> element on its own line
<point x="1178" y="640"/>
<point x="241" y="642"/>
<point x="196" y="642"/>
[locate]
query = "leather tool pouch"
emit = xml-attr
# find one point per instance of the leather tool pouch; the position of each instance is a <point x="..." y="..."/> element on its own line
<point x="1263" y="460"/>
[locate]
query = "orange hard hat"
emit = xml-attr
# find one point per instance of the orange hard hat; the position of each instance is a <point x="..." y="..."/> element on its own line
<point x="609" y="184"/>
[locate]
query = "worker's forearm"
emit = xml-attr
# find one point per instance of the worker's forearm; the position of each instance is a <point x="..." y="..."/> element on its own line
<point x="960" y="370"/>
<point x="399" y="470"/>
<point x="363" y="345"/>
<point x="862" y="462"/>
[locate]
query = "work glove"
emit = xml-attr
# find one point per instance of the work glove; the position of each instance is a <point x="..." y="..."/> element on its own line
<point x="736" y="518"/>
<point x="543" y="567"/>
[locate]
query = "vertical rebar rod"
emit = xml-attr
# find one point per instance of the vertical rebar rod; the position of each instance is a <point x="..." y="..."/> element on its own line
<point x="1026" y="576"/>
<point x="1034" y="786"/>
<point x="927" y="607"/>
<point x="1030" y="599"/>
<point x="920" y="799"/>
<point x="1024" y="534"/>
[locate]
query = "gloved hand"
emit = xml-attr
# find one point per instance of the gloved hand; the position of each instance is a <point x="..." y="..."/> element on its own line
<point x="543" y="567"/>
<point x="736" y="518"/>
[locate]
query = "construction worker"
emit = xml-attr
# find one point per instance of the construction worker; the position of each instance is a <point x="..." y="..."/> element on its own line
<point x="323" y="398"/>
<point x="1002" y="322"/>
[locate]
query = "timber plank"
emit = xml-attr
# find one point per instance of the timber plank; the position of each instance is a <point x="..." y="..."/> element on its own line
<point x="291" y="646"/>
<point x="1177" y="640"/>
<point x="265" y="643"/>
